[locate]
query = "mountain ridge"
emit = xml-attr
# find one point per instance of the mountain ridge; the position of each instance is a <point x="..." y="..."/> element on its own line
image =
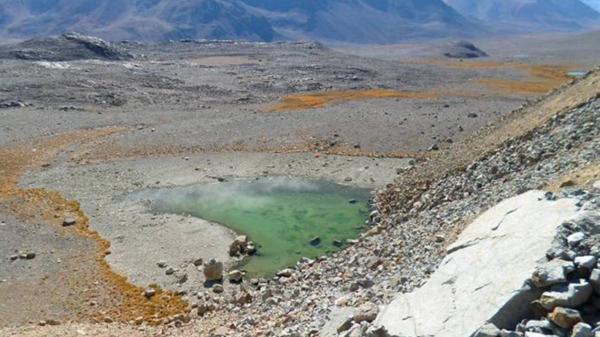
<point x="346" y="21"/>
<point x="381" y="21"/>
<point x="529" y="15"/>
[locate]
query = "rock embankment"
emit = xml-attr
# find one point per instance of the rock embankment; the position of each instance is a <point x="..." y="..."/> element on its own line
<point x="492" y="279"/>
<point x="472" y="283"/>
<point x="567" y="283"/>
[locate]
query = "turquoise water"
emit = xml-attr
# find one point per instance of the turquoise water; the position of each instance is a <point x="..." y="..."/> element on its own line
<point x="577" y="74"/>
<point x="281" y="215"/>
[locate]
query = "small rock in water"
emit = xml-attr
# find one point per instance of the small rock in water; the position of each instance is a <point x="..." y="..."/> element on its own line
<point x="315" y="241"/>
<point x="338" y="243"/>
<point x="353" y="201"/>
<point x="69" y="221"/>
<point x="251" y="248"/>
<point x="285" y="273"/>
<point x="238" y="246"/>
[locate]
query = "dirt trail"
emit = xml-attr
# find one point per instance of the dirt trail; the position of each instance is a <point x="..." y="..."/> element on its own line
<point x="34" y="205"/>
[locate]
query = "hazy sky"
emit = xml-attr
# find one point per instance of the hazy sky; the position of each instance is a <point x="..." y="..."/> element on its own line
<point x="593" y="3"/>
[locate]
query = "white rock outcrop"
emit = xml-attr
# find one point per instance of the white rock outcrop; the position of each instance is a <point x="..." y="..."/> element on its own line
<point x="482" y="277"/>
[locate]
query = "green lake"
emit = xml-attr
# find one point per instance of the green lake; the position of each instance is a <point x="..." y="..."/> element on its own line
<point x="281" y="215"/>
<point x="577" y="74"/>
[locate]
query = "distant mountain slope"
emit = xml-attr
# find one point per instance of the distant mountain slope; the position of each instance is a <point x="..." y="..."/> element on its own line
<point x="595" y="4"/>
<point x="353" y="21"/>
<point x="366" y="21"/>
<point x="529" y="14"/>
<point x="136" y="19"/>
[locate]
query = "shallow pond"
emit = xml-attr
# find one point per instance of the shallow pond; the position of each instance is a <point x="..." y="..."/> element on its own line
<point x="281" y="215"/>
<point x="577" y="74"/>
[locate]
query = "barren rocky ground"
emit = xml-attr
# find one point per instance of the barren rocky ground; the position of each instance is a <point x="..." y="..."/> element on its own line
<point x="437" y="140"/>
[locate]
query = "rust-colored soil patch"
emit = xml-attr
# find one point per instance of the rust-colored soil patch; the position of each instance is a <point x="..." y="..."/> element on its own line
<point x="49" y="206"/>
<point x="319" y="100"/>
<point x="537" y="78"/>
<point x="540" y="80"/>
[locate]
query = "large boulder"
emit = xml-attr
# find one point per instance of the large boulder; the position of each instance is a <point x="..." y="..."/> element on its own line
<point x="481" y="280"/>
